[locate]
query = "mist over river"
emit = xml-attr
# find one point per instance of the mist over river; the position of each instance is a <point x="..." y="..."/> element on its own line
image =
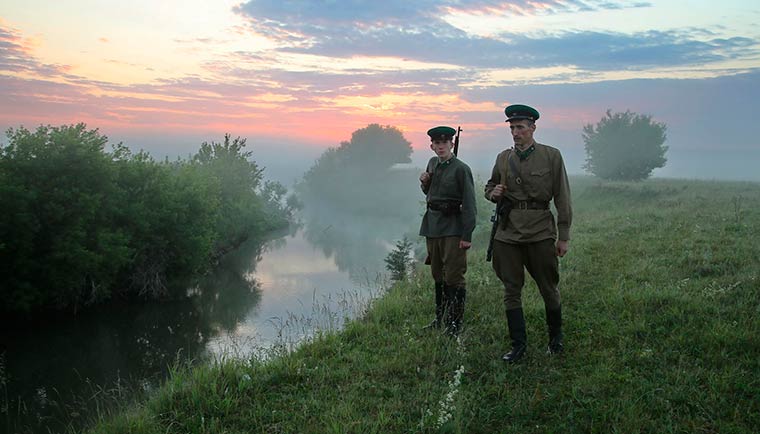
<point x="263" y="294"/>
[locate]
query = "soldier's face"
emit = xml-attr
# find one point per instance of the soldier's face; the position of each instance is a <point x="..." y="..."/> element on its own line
<point x="522" y="132"/>
<point x="442" y="148"/>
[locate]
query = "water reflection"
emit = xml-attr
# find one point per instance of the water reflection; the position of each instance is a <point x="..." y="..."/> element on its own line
<point x="51" y="369"/>
<point x="302" y="289"/>
<point x="358" y="244"/>
<point x="258" y="296"/>
<point x="312" y="279"/>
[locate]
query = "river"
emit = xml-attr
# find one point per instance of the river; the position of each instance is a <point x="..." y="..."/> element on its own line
<point x="259" y="296"/>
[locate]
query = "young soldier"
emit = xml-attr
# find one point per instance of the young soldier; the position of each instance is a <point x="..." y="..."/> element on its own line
<point x="528" y="177"/>
<point x="447" y="224"/>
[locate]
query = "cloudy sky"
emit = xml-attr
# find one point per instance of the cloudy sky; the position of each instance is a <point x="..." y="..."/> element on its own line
<point x="295" y="77"/>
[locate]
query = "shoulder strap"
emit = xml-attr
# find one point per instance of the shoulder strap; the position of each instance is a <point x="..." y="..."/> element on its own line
<point x="431" y="166"/>
<point x="513" y="167"/>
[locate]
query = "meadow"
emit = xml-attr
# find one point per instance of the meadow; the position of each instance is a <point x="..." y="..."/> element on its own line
<point x="661" y="298"/>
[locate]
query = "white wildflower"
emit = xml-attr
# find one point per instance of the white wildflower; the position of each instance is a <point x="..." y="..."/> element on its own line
<point x="446" y="406"/>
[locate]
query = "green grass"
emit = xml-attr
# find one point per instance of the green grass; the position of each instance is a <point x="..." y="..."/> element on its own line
<point x="661" y="300"/>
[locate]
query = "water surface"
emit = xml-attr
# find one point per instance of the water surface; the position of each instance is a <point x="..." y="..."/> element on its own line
<point x="262" y="294"/>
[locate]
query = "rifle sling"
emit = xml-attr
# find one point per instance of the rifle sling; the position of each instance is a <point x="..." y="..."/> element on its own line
<point x="514" y="169"/>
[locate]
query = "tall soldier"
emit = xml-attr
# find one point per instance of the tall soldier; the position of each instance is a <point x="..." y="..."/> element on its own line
<point x="529" y="176"/>
<point x="447" y="225"/>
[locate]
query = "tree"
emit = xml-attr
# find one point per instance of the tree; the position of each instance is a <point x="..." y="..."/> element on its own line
<point x="378" y="146"/>
<point x="624" y="146"/>
<point x="358" y="176"/>
<point x="59" y="247"/>
<point x="80" y="225"/>
<point x="371" y="151"/>
<point x="170" y="212"/>
<point x="238" y="178"/>
<point x="399" y="261"/>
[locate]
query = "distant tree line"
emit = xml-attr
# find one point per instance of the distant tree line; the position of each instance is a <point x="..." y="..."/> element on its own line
<point x="81" y="225"/>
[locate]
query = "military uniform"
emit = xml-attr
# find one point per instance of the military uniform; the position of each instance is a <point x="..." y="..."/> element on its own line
<point x="526" y="237"/>
<point x="448" y="219"/>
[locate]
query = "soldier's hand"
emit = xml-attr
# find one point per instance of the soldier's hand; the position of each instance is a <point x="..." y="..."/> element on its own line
<point x="498" y="192"/>
<point x="562" y="248"/>
<point x="425" y="177"/>
<point x="464" y="244"/>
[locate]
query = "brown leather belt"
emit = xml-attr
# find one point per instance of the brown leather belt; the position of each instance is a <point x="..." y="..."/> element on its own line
<point x="530" y="204"/>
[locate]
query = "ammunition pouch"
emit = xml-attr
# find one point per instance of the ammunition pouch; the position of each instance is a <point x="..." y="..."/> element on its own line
<point x="446" y="208"/>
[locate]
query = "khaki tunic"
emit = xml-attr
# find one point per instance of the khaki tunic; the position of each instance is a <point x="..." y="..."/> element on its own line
<point x="543" y="179"/>
<point x="527" y="241"/>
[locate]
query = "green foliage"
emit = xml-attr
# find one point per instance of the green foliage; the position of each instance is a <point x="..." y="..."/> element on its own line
<point x="60" y="246"/>
<point x="246" y="204"/>
<point x="171" y="212"/>
<point x="624" y="146"/>
<point x="660" y="336"/>
<point x="399" y="261"/>
<point x="277" y="201"/>
<point x="81" y="224"/>
<point x="237" y="179"/>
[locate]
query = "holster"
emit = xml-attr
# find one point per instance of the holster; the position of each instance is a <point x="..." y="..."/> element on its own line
<point x="503" y="209"/>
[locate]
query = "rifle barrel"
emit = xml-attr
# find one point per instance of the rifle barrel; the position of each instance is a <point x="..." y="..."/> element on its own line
<point x="456" y="141"/>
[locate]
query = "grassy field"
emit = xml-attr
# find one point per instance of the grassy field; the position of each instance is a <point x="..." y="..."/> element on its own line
<point x="661" y="298"/>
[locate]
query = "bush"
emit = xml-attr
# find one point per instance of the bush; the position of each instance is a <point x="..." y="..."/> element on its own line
<point x="60" y="246"/>
<point x="80" y="225"/>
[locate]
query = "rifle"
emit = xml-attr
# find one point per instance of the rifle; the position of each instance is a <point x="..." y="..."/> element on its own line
<point x="456" y="151"/>
<point x="494" y="228"/>
<point x="503" y="207"/>
<point x="456" y="141"/>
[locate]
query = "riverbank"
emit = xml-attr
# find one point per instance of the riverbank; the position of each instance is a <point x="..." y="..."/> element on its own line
<point x="660" y="291"/>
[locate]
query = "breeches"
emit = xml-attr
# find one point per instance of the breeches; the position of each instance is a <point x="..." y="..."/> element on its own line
<point x="540" y="259"/>
<point x="448" y="263"/>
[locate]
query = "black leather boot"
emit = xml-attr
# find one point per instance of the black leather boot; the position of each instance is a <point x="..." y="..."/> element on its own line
<point x="518" y="335"/>
<point x="456" y="310"/>
<point x="554" y="321"/>
<point x="449" y="305"/>
<point x="439" y="308"/>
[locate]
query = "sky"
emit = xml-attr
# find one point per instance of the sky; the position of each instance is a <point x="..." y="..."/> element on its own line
<point x="296" y="77"/>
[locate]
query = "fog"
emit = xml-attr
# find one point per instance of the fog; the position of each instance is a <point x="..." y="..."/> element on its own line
<point x="286" y="162"/>
<point x="732" y="165"/>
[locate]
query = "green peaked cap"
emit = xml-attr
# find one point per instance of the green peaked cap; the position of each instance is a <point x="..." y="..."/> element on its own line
<point x="516" y="112"/>
<point x="441" y="133"/>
